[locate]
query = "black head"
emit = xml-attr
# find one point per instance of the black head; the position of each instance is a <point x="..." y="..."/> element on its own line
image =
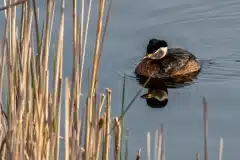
<point x="155" y="44"/>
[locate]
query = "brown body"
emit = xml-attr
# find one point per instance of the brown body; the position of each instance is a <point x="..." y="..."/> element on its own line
<point x="178" y="62"/>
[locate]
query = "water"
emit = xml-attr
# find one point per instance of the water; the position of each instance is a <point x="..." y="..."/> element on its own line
<point x="210" y="30"/>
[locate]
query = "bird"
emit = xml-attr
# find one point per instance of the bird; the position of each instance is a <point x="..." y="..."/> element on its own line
<point x="165" y="63"/>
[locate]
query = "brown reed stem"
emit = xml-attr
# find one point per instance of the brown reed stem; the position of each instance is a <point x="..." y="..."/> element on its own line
<point x="198" y="156"/>
<point x="87" y="130"/>
<point x="104" y="30"/>
<point x="101" y="126"/>
<point x="92" y="88"/>
<point x="97" y="48"/>
<point x="108" y="120"/>
<point x="205" y="116"/>
<point x="148" y="146"/>
<point x="117" y="139"/>
<point x="126" y="145"/>
<point x="138" y="154"/>
<point x="13" y="4"/>
<point x="220" y="149"/>
<point x="67" y="97"/>
<point x="160" y="144"/>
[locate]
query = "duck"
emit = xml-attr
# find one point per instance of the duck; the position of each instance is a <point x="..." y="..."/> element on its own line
<point x="161" y="62"/>
<point x="156" y="98"/>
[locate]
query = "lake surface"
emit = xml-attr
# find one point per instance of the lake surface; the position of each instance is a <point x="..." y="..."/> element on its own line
<point x="210" y="30"/>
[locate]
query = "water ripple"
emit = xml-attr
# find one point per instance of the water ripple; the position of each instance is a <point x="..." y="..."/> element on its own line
<point x="220" y="70"/>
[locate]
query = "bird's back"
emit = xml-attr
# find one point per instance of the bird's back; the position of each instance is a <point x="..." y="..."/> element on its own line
<point x="173" y="62"/>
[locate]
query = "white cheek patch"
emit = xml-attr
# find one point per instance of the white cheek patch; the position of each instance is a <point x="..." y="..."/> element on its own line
<point x="164" y="50"/>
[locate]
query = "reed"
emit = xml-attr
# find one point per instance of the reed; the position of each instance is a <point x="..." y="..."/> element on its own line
<point x="126" y="146"/>
<point x="122" y="113"/>
<point x="205" y="117"/>
<point x="148" y="146"/>
<point x="117" y="139"/>
<point x="198" y="156"/>
<point x="220" y="149"/>
<point x="138" y="154"/>
<point x="30" y="128"/>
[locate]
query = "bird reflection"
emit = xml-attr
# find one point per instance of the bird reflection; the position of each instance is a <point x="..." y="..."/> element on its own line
<point x="157" y="94"/>
<point x="156" y="98"/>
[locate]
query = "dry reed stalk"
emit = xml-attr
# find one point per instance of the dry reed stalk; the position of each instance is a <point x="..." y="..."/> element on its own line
<point x="92" y="88"/>
<point x="198" y="156"/>
<point x="91" y="141"/>
<point x="126" y="145"/>
<point x="91" y="120"/>
<point x="97" y="49"/>
<point x="205" y="117"/>
<point x="220" y="149"/>
<point x="76" y="130"/>
<point x="11" y="19"/>
<point x="104" y="30"/>
<point x="163" y="155"/>
<point x="87" y="130"/>
<point x="36" y="18"/>
<point x="29" y="96"/>
<point x="159" y="146"/>
<point x="103" y="97"/>
<point x="95" y="70"/>
<point x="3" y="116"/>
<point x="58" y="78"/>
<point x="79" y="154"/>
<point x="34" y="107"/>
<point x="53" y="112"/>
<point x="81" y="28"/>
<point x="85" y="41"/>
<point x="107" y="128"/>
<point x="59" y="120"/>
<point x="2" y="64"/>
<point x="117" y="139"/>
<point x="75" y="90"/>
<point x="20" y="87"/>
<point x="104" y="139"/>
<point x="148" y="146"/>
<point x="23" y="77"/>
<point x="3" y="133"/>
<point x="101" y="125"/>
<point x="93" y="125"/>
<point x="99" y="107"/>
<point x="44" y="99"/>
<point x="83" y="118"/>
<point x="13" y="4"/>
<point x="8" y="58"/>
<point x="156" y="145"/>
<point x="138" y="154"/>
<point x="11" y="91"/>
<point x="27" y="109"/>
